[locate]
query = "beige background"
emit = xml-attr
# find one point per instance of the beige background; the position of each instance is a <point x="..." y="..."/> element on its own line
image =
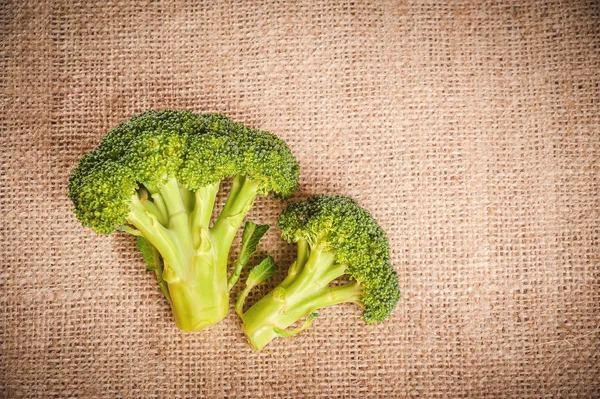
<point x="471" y="131"/>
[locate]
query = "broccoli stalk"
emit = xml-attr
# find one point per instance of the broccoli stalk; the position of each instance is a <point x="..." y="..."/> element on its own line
<point x="195" y="256"/>
<point x="335" y="238"/>
<point x="303" y="292"/>
<point x="158" y="176"/>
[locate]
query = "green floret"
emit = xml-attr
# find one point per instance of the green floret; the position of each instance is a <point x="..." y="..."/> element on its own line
<point x="101" y="194"/>
<point x="267" y="160"/>
<point x="264" y="157"/>
<point x="211" y="157"/>
<point x="157" y="176"/>
<point x="335" y="237"/>
<point x="380" y="294"/>
<point x="155" y="155"/>
<point x="115" y="143"/>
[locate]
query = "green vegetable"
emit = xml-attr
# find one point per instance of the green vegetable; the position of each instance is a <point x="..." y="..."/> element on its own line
<point x="252" y="234"/>
<point x="261" y="272"/>
<point x="154" y="263"/>
<point x="335" y="238"/>
<point x="157" y="177"/>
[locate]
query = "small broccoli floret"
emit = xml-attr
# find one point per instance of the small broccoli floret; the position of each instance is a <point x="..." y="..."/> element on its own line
<point x="263" y="157"/>
<point x="157" y="177"/>
<point x="101" y="194"/>
<point x="335" y="238"/>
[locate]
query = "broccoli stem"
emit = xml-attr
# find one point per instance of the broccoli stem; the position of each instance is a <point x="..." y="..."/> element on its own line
<point x="157" y="200"/>
<point x="153" y="209"/>
<point x="178" y="224"/>
<point x="206" y="300"/>
<point x="298" y="265"/>
<point x="330" y="296"/>
<point x="239" y="303"/>
<point x="187" y="197"/>
<point x="158" y="235"/>
<point x="298" y="296"/>
<point x="240" y="200"/>
<point x="204" y="202"/>
<point x="201" y="301"/>
<point x="193" y="307"/>
<point x="194" y="272"/>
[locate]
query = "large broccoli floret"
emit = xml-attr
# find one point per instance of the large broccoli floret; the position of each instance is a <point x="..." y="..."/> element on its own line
<point x="335" y="238"/>
<point x="157" y="177"/>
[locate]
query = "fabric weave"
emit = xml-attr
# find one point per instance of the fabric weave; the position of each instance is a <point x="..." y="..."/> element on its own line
<point x="470" y="130"/>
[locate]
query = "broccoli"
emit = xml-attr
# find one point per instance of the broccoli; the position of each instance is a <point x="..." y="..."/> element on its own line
<point x="157" y="177"/>
<point x="336" y="239"/>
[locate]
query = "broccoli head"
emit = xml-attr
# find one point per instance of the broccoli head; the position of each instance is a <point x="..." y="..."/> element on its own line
<point x="336" y="239"/>
<point x="157" y="177"/>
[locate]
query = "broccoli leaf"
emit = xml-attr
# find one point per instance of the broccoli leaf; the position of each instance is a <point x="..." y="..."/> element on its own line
<point x="259" y="273"/>
<point x="154" y="263"/>
<point x="252" y="235"/>
<point x="147" y="253"/>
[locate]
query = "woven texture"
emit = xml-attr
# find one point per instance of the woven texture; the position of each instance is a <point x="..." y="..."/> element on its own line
<point x="470" y="131"/>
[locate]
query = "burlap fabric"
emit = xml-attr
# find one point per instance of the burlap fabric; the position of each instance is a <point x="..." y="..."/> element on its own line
<point x="470" y="131"/>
